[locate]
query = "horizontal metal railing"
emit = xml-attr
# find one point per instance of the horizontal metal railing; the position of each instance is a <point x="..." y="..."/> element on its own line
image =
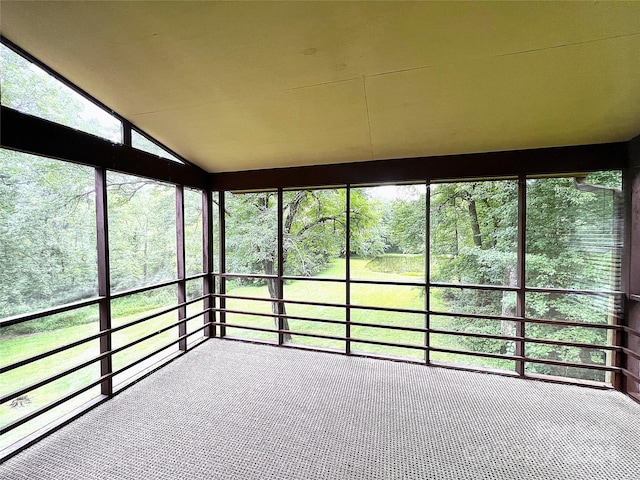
<point x="223" y="323"/>
<point x="108" y="354"/>
<point x="428" y="313"/>
<point x="75" y="393"/>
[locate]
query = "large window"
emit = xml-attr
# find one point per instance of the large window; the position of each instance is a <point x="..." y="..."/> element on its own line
<point x="251" y="246"/>
<point x="47" y="258"/>
<point x="573" y="255"/>
<point x="48" y="231"/>
<point x="387" y="269"/>
<point x="140" y="142"/>
<point x="473" y="265"/>
<point x="142" y="231"/>
<point x="520" y="275"/>
<point x="314" y="241"/>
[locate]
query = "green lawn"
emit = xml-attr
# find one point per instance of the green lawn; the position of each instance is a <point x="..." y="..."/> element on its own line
<point x="16" y="347"/>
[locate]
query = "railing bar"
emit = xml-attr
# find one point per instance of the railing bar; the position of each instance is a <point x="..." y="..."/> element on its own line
<point x="473" y="286"/>
<point x="439" y="331"/>
<point x="51" y="405"/>
<point x="434" y="284"/>
<point x="314" y="279"/>
<point x="605" y="326"/>
<point x="560" y="363"/>
<point x="25" y="317"/>
<point x="445" y="350"/>
<point x="481" y="316"/>
<point x="386" y="282"/>
<point x="569" y="291"/>
<point x="630" y="352"/>
<point x="75" y="393"/>
<point x="157" y="314"/>
<point x="80" y="366"/>
<point x="196" y="276"/>
<point x="249" y="327"/>
<point x="62" y="348"/>
<point x="146" y="288"/>
<point x="631" y="331"/>
<point x="48" y="353"/>
<point x="436" y="331"/>
<point x="631" y="375"/>
<point x="244" y="275"/>
<point x="272" y="300"/>
<point x="560" y="343"/>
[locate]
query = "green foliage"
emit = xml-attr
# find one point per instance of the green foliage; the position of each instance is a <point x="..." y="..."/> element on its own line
<point x="408" y="225"/>
<point x="314" y="223"/>
<point x="142" y="231"/>
<point x="52" y="322"/>
<point x="47" y="226"/>
<point x="397" y="263"/>
<point x="28" y="89"/>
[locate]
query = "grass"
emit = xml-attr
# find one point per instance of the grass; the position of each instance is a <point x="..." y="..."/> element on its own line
<point x="17" y="347"/>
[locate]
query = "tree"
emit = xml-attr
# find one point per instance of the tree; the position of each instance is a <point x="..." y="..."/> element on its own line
<point x="47" y="226"/>
<point x="314" y="232"/>
<point x="571" y="243"/>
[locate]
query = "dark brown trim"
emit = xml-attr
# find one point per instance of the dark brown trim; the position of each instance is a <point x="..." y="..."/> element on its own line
<point x="347" y="271"/>
<point x="181" y="267"/>
<point x="521" y="280"/>
<point x="29" y="134"/>
<point x="427" y="272"/>
<point x="438" y="364"/>
<point x="540" y="161"/>
<point x="25" y="317"/>
<point x="208" y="282"/>
<point x="126" y="133"/>
<point x="104" y="279"/>
<point x="126" y="124"/>
<point x="146" y="288"/>
<point x="67" y="346"/>
<point x="222" y="265"/>
<point x="280" y="269"/>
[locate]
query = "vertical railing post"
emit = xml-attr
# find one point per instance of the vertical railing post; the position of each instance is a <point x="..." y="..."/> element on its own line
<point x="347" y="269"/>
<point x="104" y="279"/>
<point x="222" y="263"/>
<point x="208" y="282"/>
<point x="520" y="269"/>
<point x="280" y="307"/>
<point x="181" y="257"/>
<point x="427" y="272"/>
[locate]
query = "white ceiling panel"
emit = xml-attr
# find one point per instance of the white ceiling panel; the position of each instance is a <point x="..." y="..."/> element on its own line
<point x="245" y="85"/>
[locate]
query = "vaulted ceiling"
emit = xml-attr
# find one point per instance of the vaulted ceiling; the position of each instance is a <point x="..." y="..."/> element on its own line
<point x="242" y="85"/>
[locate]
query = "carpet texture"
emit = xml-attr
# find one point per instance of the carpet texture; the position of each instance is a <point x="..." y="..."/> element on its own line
<point x="230" y="410"/>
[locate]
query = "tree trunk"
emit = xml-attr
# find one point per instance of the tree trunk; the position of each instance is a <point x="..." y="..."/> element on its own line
<point x="475" y="224"/>
<point x="484" y="297"/>
<point x="272" y="285"/>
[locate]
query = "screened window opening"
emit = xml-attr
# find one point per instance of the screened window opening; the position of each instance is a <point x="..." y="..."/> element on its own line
<point x="26" y="87"/>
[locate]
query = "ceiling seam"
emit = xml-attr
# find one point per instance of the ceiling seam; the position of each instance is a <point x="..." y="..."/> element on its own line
<point x="552" y="47"/>
<point x="500" y="55"/>
<point x="366" y="104"/>
<point x="331" y="82"/>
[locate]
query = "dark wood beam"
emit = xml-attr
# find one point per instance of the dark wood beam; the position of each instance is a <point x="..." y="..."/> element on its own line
<point x="29" y="134"/>
<point x="541" y="161"/>
<point x="631" y="269"/>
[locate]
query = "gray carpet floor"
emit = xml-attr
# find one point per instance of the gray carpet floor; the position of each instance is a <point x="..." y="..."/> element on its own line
<point x="231" y="410"/>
